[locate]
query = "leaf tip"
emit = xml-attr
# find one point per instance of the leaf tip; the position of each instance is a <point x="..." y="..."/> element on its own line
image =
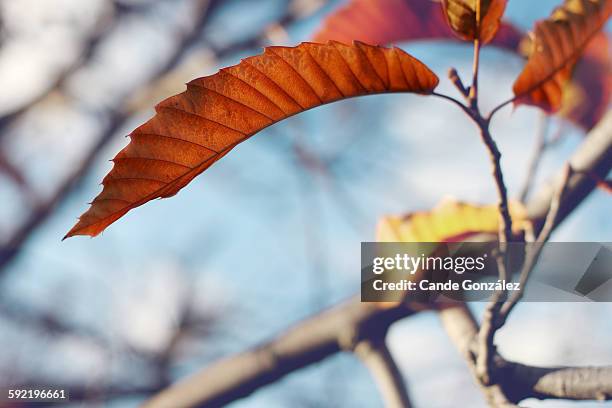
<point x="83" y="231"/>
<point x="73" y="232"/>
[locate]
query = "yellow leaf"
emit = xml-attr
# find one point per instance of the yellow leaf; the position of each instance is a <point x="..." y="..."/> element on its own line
<point x="450" y="221"/>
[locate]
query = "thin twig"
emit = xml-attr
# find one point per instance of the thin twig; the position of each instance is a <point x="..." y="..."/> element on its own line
<point x="473" y="96"/>
<point x="453" y="75"/>
<point x="505" y="225"/>
<point x="454" y="101"/>
<point x="500" y="107"/>
<point x="536" y="157"/>
<point x="534" y="250"/>
<point x="486" y="334"/>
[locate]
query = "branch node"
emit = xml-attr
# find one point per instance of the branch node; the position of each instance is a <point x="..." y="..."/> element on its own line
<point x="453" y="75"/>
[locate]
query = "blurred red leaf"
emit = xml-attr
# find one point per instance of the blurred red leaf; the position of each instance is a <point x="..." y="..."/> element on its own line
<point x="587" y="97"/>
<point x="392" y="21"/>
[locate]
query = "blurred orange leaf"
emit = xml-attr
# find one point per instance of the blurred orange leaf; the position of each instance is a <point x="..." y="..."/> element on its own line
<point x="557" y="44"/>
<point x="393" y="21"/>
<point x="194" y="129"/>
<point x="450" y="221"/>
<point x="474" y="19"/>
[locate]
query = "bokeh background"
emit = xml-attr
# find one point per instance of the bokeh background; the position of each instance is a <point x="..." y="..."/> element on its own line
<point x="268" y="236"/>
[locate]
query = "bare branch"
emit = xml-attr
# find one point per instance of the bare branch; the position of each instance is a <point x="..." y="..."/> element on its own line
<point x="534" y="250"/>
<point x="473" y="91"/>
<point x="505" y="221"/>
<point x="486" y="338"/>
<point x="572" y="383"/>
<point x="493" y="317"/>
<point x="593" y="156"/>
<point x="310" y="341"/>
<point x="564" y="194"/>
<point x="453" y="75"/>
<point x="461" y="327"/>
<point x="376" y="357"/>
<point x="487" y="331"/>
<point x="514" y="382"/>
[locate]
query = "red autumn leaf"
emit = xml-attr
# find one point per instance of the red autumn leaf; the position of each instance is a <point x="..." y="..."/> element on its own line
<point x="558" y="43"/>
<point x="194" y="129"/>
<point x="393" y="21"/>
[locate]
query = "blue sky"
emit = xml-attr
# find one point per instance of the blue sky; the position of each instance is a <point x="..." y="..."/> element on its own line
<point x="265" y="243"/>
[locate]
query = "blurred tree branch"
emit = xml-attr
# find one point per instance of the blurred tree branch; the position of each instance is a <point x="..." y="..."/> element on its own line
<point x="190" y="324"/>
<point x="310" y="341"/>
<point x="543" y="143"/>
<point x="514" y="382"/>
<point x="42" y="211"/>
<point x="593" y="156"/>
<point x="378" y="359"/>
<point x="14" y="174"/>
<point x="106" y="24"/>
